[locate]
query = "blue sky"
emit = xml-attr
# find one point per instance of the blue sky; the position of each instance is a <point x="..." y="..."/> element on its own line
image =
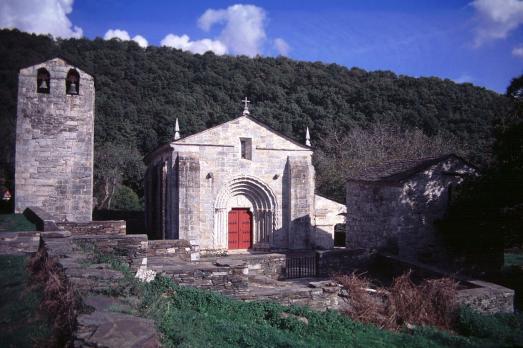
<point x="477" y="41"/>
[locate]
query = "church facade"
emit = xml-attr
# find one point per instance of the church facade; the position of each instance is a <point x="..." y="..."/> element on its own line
<point x="239" y="185"/>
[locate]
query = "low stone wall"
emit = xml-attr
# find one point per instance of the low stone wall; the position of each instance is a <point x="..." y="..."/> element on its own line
<point x="487" y="297"/>
<point x="47" y="222"/>
<point x="180" y="248"/>
<point x="132" y="249"/>
<point x="204" y="275"/>
<point x="117" y="227"/>
<point x="269" y="265"/>
<point x="318" y="295"/>
<point x="42" y="219"/>
<point x="104" y="320"/>
<point x="481" y="296"/>
<point x="19" y="243"/>
<point x="341" y="261"/>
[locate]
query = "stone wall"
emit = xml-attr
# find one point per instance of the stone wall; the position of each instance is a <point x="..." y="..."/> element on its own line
<point x="19" y="243"/>
<point x="94" y="227"/>
<point x="327" y="214"/>
<point x="132" y="249"/>
<point x="398" y="217"/>
<point x="54" y="144"/>
<point x="179" y="248"/>
<point x="300" y="187"/>
<point x="188" y="172"/>
<point x="341" y="261"/>
<point x="481" y="296"/>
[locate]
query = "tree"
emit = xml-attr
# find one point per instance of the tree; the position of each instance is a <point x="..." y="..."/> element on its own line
<point x="114" y="165"/>
<point x="126" y="199"/>
<point x="487" y="213"/>
<point x="343" y="154"/>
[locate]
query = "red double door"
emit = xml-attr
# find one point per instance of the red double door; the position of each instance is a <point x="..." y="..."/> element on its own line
<point x="240" y="228"/>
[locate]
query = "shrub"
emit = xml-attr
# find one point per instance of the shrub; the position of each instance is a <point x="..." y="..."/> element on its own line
<point x="432" y="303"/>
<point x="59" y="301"/>
<point x="126" y="199"/>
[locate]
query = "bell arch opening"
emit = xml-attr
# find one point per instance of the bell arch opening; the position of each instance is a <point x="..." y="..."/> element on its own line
<point x="252" y="193"/>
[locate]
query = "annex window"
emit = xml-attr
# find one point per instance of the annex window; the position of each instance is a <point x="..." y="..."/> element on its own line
<point x="43" y="81"/>
<point x="72" y="82"/>
<point x="246" y="148"/>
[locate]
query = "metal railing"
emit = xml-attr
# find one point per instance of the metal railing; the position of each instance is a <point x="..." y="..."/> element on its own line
<point x="301" y="266"/>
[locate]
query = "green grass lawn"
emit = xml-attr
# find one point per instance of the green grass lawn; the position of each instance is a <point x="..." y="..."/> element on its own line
<point x="15" y="222"/>
<point x="21" y="324"/>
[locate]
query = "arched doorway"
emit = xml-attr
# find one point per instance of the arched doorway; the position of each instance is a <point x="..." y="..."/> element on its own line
<point x="249" y="201"/>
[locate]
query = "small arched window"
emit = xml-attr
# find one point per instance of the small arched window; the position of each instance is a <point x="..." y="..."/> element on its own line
<point x="43" y="81"/>
<point x="72" y="82"/>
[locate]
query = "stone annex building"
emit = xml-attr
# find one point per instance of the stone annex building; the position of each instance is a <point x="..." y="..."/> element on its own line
<point x="239" y="185"/>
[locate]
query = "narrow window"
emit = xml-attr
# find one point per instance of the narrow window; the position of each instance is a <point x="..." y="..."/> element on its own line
<point x="72" y="82"/>
<point x="43" y="81"/>
<point x="246" y="148"/>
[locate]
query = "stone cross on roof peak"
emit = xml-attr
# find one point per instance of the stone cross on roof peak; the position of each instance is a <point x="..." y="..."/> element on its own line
<point x="246" y="106"/>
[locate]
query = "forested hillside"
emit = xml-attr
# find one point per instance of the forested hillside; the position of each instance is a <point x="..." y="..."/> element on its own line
<point x="140" y="92"/>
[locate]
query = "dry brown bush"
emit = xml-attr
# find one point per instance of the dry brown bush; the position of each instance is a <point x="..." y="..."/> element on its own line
<point x="431" y="303"/>
<point x="59" y="301"/>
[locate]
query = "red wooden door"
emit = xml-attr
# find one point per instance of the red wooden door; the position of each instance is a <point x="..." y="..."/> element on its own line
<point x="240" y="228"/>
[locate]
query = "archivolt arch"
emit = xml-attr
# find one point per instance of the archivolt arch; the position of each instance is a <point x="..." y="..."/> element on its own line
<point x="263" y="202"/>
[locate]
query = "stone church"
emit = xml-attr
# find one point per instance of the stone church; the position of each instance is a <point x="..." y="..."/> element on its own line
<point x="239" y="185"/>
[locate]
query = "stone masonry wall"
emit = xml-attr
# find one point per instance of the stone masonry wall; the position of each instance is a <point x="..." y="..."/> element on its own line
<point x="327" y="214"/>
<point x="94" y="227"/>
<point x="301" y="202"/>
<point x="218" y="151"/>
<point x="188" y="166"/>
<point x="54" y="144"/>
<point x="398" y="217"/>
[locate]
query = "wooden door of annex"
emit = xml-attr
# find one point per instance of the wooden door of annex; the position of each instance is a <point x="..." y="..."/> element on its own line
<point x="240" y="228"/>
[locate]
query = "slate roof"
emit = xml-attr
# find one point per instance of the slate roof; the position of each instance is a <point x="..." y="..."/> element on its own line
<point x="399" y="170"/>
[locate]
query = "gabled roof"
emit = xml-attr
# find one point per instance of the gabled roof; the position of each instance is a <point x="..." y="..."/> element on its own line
<point x="399" y="170"/>
<point x="253" y="120"/>
<point x="165" y="147"/>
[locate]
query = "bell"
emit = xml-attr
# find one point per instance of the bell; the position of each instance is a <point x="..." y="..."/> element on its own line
<point x="72" y="88"/>
<point x="43" y="85"/>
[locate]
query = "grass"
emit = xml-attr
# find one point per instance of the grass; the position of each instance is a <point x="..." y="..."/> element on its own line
<point x="21" y="323"/>
<point x="189" y="317"/>
<point x="15" y="223"/>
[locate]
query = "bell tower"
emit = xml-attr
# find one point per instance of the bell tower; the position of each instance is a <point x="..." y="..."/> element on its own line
<point x="54" y="140"/>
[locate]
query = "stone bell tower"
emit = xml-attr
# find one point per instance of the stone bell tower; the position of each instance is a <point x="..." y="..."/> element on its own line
<point x="54" y="140"/>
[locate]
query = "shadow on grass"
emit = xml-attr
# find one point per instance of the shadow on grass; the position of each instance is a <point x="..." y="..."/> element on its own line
<point x="15" y="223"/>
<point x="21" y="323"/>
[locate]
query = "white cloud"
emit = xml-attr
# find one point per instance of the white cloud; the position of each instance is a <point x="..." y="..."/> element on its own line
<point x="496" y="19"/>
<point x="39" y="16"/>
<point x="141" y="41"/>
<point x="464" y="78"/>
<point x="199" y="46"/>
<point x="117" y="34"/>
<point x="243" y="27"/>
<point x="282" y="46"/>
<point x="242" y="31"/>
<point x="518" y="51"/>
<point x="124" y="36"/>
